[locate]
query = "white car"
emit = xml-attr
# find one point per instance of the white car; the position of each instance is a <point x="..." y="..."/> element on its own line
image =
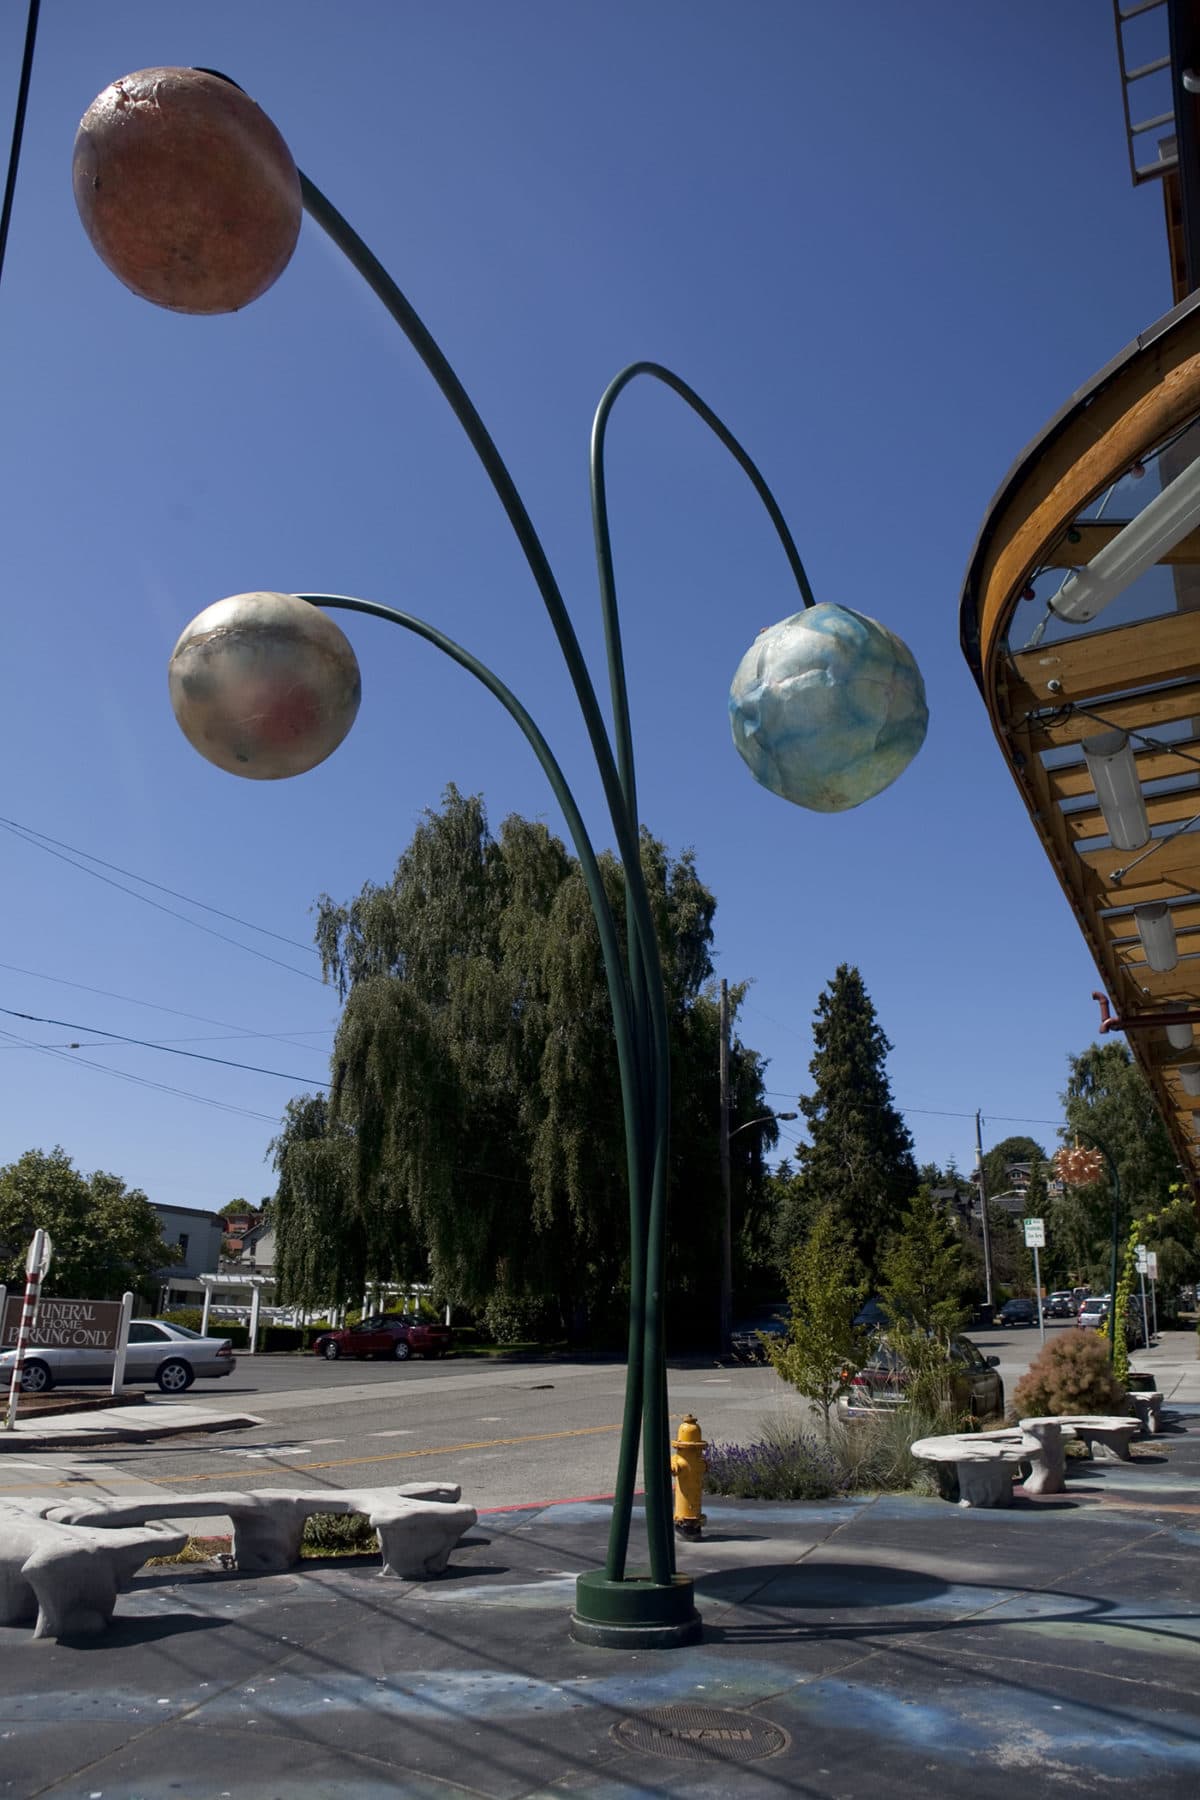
<point x="170" y="1355"/>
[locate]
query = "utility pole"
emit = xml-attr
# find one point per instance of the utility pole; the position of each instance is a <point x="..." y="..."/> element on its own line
<point x="725" y="1322"/>
<point x="983" y="1214"/>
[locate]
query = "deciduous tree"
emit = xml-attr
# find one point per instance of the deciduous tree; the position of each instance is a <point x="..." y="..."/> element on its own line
<point x="106" y="1236"/>
<point x="825" y="1288"/>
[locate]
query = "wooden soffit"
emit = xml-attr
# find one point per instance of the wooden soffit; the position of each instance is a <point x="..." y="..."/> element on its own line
<point x="1141" y="677"/>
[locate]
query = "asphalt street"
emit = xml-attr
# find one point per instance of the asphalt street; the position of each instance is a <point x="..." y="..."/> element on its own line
<point x="511" y="1433"/>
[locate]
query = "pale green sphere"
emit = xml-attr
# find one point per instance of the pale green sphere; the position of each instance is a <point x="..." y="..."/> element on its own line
<point x="828" y="708"/>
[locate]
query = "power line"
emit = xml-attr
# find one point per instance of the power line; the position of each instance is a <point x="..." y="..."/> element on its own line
<point x="282" y="1037"/>
<point x="43" y="838"/>
<point x="78" y="1062"/>
<point x="14" y="154"/>
<point x="36" y="843"/>
<point x="933" y="1112"/>
<point x="220" y="1037"/>
<point x="167" y="1049"/>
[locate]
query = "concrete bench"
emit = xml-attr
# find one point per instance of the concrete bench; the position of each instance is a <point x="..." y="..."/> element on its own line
<point x="417" y="1524"/>
<point x="1148" y="1407"/>
<point x="982" y="1461"/>
<point x="1047" y="1474"/>
<point x="1111" y="1435"/>
<point x="66" y="1578"/>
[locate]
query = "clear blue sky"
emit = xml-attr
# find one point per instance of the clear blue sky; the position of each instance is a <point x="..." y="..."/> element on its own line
<point x="885" y="242"/>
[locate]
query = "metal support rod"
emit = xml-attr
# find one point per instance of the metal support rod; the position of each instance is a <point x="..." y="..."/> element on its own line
<point x="726" y="1304"/>
<point x="983" y="1215"/>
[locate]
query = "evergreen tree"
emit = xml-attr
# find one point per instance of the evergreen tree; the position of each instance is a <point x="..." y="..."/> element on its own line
<point x="921" y="1271"/>
<point x="859" y="1159"/>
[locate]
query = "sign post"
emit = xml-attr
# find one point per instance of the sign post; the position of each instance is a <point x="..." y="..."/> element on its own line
<point x="1035" y="1238"/>
<point x="118" y="1376"/>
<point x="36" y="1264"/>
<point x="1143" y="1256"/>
<point x="1152" y="1272"/>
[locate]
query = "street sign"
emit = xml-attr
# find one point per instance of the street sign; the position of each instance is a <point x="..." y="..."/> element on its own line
<point x="67" y="1324"/>
<point x="1035" y="1233"/>
<point x="1141" y="1263"/>
<point x="1152" y="1264"/>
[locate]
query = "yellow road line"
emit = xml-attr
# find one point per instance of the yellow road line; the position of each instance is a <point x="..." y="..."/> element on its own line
<point x="346" y="1462"/>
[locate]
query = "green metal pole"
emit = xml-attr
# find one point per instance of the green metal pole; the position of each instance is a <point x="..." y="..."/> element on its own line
<point x="650" y="1022"/>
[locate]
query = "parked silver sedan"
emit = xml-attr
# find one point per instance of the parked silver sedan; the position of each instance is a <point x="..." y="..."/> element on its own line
<point x="170" y="1355"/>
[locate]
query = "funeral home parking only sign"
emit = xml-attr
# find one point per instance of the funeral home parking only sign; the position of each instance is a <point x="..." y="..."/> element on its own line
<point x="68" y="1324"/>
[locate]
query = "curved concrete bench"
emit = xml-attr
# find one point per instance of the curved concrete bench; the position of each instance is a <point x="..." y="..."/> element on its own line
<point x="66" y="1578"/>
<point x="1113" y="1435"/>
<point x="418" y="1524"/>
<point x="983" y="1462"/>
<point x="1048" y="1472"/>
<point x="1148" y="1408"/>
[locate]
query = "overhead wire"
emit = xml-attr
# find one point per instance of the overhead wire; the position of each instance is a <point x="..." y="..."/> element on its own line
<point x="166" y="1049"/>
<point x="161" y="1087"/>
<point x="282" y="1037"/>
<point x="44" y="838"/>
<point x="36" y="844"/>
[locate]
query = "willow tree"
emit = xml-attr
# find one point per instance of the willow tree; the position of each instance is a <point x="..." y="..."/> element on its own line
<point x="475" y="1109"/>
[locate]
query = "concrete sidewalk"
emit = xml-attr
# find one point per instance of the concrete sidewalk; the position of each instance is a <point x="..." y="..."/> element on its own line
<point x="859" y="1648"/>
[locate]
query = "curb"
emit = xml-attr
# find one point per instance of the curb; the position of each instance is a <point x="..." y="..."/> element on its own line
<point x="122" y="1434"/>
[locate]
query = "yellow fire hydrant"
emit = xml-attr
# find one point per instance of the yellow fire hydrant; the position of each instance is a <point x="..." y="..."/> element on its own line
<point x="689" y="1467"/>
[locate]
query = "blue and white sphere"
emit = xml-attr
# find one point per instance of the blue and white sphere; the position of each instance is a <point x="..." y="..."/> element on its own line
<point x="828" y="708"/>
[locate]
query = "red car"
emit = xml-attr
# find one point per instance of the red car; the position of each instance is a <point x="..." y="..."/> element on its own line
<point x="398" y="1335"/>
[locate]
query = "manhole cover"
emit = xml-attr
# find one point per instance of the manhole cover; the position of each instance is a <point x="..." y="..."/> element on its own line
<point x="701" y="1734"/>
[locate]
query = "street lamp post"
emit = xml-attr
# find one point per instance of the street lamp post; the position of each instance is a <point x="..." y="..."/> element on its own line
<point x="1081" y="1167"/>
<point x="190" y="195"/>
<point x="725" y="1308"/>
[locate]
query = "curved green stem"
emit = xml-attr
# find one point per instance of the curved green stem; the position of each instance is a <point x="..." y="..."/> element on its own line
<point x="645" y="975"/>
<point x="593" y="879"/>
<point x="642" y="1328"/>
<point x="602" y="534"/>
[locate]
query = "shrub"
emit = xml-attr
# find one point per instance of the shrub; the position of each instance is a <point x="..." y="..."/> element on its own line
<point x="786" y="1464"/>
<point x="874" y="1453"/>
<point x="1072" y="1374"/>
<point x="517" y="1319"/>
<point x="337" y="1534"/>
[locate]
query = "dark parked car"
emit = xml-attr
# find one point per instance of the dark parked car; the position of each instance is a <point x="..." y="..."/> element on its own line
<point x="745" y="1340"/>
<point x="871" y="1316"/>
<point x="1017" y="1312"/>
<point x="1061" y="1305"/>
<point x="881" y="1384"/>
<point x="398" y="1335"/>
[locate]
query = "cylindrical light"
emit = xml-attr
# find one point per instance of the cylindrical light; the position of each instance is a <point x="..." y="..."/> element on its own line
<point x="1137" y="547"/>
<point x="1156" y="929"/>
<point x="1179" y="1036"/>
<point x="1118" y="790"/>
<point x="1189" y="1078"/>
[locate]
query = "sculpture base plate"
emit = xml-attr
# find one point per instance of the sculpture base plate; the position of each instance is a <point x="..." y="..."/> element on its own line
<point x="635" y="1614"/>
